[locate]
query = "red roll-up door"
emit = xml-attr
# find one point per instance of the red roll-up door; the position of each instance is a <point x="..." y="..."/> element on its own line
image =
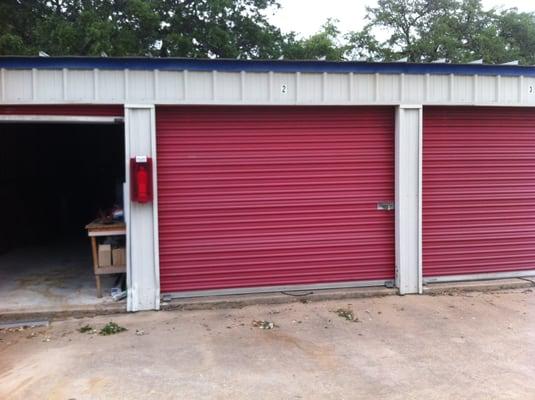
<point x="267" y="196"/>
<point x="478" y="190"/>
<point x="70" y="110"/>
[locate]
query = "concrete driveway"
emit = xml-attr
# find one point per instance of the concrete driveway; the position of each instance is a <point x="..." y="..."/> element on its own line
<point x="464" y="346"/>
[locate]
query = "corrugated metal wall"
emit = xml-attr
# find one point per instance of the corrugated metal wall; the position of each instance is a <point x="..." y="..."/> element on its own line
<point x="252" y="196"/>
<point x="464" y="85"/>
<point x="478" y="190"/>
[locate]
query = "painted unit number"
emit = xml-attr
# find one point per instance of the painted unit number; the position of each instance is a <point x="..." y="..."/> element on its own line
<point x="531" y="89"/>
<point x="284" y="88"/>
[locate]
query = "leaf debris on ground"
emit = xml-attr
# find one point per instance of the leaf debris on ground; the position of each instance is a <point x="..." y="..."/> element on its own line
<point x="347" y="314"/>
<point x="111" y="328"/>
<point x="264" y="324"/>
<point x="86" y="329"/>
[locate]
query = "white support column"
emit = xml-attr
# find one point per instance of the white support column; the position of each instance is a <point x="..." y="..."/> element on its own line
<point x="142" y="219"/>
<point x="409" y="199"/>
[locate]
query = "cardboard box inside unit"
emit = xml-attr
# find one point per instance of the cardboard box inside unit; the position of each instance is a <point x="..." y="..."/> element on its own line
<point x="104" y="255"/>
<point x="118" y="256"/>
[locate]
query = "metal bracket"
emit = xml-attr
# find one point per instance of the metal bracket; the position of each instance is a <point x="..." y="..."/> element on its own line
<point x="385" y="205"/>
<point x="390" y="284"/>
<point x="166" y="298"/>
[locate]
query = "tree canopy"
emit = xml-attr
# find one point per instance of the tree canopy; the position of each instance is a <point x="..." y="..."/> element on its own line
<point x="420" y="30"/>
<point x="189" y="28"/>
<point x="457" y="30"/>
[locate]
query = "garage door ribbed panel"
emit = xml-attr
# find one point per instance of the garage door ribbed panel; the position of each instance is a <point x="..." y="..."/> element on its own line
<point x="274" y="196"/>
<point x="478" y="190"/>
<point x="70" y="110"/>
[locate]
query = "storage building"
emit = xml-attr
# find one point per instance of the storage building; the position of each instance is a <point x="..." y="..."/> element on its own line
<point x="258" y="176"/>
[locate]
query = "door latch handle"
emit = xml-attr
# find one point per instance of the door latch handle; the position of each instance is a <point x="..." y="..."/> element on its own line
<point x="385" y="205"/>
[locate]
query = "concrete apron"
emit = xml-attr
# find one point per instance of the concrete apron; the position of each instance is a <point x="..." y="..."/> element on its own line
<point x="240" y="301"/>
<point x="60" y="313"/>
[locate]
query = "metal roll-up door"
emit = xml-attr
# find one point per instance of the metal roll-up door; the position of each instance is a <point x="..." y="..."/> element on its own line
<point x="478" y="190"/>
<point x="68" y="109"/>
<point x="269" y="196"/>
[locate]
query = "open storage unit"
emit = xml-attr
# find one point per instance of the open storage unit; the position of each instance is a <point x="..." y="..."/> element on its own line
<point x="60" y="168"/>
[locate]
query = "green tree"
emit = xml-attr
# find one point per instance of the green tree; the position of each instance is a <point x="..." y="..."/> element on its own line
<point x="17" y="20"/>
<point x="218" y="28"/>
<point x="77" y="27"/>
<point x="323" y="45"/>
<point x="407" y="21"/>
<point x="364" y="46"/>
<point x="518" y="32"/>
<point x="187" y="28"/>
<point x="421" y="30"/>
<point x="458" y="30"/>
<point x="466" y="33"/>
<point x="90" y="27"/>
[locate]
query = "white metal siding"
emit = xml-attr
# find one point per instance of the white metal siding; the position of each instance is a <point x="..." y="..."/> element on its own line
<point x="228" y="88"/>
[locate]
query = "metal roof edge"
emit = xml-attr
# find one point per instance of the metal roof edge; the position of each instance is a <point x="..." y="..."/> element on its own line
<point x="232" y="65"/>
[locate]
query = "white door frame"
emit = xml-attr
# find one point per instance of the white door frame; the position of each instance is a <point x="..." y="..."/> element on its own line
<point x="144" y="265"/>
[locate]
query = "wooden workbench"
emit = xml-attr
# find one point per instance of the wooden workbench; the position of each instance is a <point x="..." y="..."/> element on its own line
<point x="97" y="229"/>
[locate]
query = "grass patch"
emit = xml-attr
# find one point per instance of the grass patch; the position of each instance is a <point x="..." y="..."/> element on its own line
<point x="111" y="328"/>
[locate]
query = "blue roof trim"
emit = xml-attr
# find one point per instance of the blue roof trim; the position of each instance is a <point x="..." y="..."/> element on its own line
<point x="145" y="63"/>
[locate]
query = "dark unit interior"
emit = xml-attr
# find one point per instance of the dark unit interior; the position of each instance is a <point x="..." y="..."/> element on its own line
<point x="55" y="179"/>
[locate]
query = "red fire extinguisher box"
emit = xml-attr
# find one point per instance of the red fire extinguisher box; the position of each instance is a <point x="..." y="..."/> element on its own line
<point x="141" y="179"/>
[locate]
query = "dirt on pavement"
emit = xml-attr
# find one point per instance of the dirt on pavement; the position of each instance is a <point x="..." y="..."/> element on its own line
<point x="467" y="345"/>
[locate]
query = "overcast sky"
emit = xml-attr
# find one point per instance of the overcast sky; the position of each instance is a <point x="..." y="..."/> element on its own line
<point x="307" y="16"/>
